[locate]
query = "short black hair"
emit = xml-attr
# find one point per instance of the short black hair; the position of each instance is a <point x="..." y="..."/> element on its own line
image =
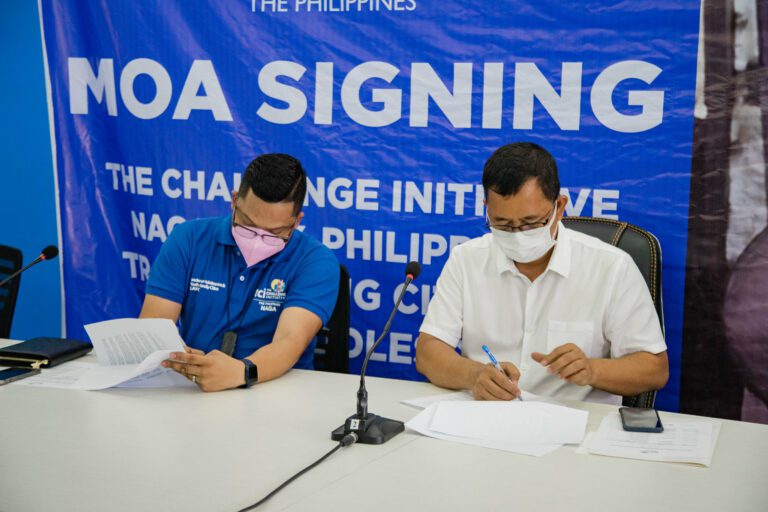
<point x="276" y="178"/>
<point x="511" y="166"/>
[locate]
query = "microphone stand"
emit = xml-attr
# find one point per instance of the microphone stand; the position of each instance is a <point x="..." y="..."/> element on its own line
<point x="10" y="277"/>
<point x="371" y="428"/>
<point x="47" y="253"/>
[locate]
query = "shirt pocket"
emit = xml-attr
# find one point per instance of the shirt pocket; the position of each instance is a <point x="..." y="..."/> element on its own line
<point x="580" y="334"/>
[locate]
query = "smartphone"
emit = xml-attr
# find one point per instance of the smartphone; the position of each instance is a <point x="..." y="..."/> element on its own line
<point x="636" y="419"/>
<point x="13" y="374"/>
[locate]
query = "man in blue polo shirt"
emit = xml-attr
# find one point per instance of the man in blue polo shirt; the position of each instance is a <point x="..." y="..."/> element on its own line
<point x="251" y="277"/>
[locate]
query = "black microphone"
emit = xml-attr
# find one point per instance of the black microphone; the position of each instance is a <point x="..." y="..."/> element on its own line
<point x="370" y="428"/>
<point x="48" y="253"/>
<point x="412" y="271"/>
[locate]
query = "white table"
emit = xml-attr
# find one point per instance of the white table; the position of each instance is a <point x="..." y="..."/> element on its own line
<point x="181" y="449"/>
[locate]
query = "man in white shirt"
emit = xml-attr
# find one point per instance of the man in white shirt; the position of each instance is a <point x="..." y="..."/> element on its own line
<point x="566" y="314"/>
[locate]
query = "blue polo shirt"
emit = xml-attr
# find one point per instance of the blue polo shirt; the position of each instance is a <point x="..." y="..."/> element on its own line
<point x="201" y="268"/>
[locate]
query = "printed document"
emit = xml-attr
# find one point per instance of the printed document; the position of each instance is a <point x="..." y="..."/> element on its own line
<point x="683" y="440"/>
<point x="129" y="352"/>
<point x="62" y="376"/>
<point x="527" y="427"/>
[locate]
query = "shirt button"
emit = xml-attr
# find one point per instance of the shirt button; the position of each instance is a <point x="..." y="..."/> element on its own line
<point x="237" y="252"/>
<point x="242" y="278"/>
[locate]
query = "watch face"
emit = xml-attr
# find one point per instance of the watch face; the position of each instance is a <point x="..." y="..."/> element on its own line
<point x="251" y="371"/>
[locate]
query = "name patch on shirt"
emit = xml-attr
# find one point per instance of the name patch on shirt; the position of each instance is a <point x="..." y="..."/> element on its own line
<point x="196" y="284"/>
<point x="272" y="298"/>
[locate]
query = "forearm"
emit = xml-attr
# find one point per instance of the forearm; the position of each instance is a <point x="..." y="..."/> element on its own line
<point x="440" y="363"/>
<point x="158" y="307"/>
<point x="632" y="374"/>
<point x="273" y="360"/>
<point x="295" y="331"/>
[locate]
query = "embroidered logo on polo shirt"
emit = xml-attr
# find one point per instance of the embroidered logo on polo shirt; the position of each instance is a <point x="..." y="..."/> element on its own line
<point x="272" y="298"/>
<point x="278" y="285"/>
<point x="196" y="284"/>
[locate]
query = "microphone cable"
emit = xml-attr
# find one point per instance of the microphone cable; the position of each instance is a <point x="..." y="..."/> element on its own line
<point x="348" y="440"/>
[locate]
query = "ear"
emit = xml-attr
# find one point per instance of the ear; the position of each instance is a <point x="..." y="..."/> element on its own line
<point x="234" y="198"/>
<point x="562" y="201"/>
<point x="299" y="217"/>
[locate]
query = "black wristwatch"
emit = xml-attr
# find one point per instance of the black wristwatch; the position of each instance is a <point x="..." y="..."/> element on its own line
<point x="251" y="373"/>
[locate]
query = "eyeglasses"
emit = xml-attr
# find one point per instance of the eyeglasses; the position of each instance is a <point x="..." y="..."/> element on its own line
<point x="267" y="237"/>
<point x="524" y="227"/>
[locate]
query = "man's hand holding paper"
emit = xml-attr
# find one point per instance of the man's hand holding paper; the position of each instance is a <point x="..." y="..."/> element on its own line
<point x="214" y="371"/>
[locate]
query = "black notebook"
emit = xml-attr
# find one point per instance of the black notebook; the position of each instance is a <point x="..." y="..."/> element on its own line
<point x="43" y="352"/>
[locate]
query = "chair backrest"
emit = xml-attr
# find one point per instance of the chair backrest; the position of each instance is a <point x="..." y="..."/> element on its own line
<point x="645" y="251"/>
<point x="10" y="261"/>
<point x="332" y="349"/>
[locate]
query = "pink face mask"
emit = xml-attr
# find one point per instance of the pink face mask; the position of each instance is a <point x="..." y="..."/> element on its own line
<point x="256" y="244"/>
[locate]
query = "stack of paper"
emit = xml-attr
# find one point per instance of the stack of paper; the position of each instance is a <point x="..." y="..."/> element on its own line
<point x="686" y="441"/>
<point x="527" y="427"/>
<point x="425" y="401"/>
<point x="465" y="396"/>
<point x="129" y="351"/>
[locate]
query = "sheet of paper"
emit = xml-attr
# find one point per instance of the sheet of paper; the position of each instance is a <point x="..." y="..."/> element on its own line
<point x="526" y="422"/>
<point x="102" y="377"/>
<point x="420" y="423"/>
<point x="62" y="376"/>
<point x="129" y="353"/>
<point x="685" y="441"/>
<point x="128" y="341"/>
<point x="425" y="401"/>
<point x="92" y="376"/>
<point x="463" y="396"/>
<point x="158" y="378"/>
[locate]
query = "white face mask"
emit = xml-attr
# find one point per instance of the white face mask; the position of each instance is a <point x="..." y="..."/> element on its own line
<point x="526" y="246"/>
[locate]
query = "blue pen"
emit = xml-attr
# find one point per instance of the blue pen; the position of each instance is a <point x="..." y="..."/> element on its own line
<point x="495" y="363"/>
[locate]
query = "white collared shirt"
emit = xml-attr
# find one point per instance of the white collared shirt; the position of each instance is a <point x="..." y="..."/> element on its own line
<point x="591" y="294"/>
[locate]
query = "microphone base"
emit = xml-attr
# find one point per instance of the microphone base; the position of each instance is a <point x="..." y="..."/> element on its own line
<point x="373" y="430"/>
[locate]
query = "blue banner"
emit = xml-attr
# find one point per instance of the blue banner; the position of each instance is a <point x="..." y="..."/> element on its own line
<point x="393" y="106"/>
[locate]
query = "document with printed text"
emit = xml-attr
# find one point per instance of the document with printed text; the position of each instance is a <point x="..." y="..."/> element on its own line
<point x="686" y="441"/>
<point x="129" y="352"/>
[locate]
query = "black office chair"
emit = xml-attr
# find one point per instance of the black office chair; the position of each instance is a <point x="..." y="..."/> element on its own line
<point x="332" y="349"/>
<point x="645" y="251"/>
<point x="10" y="261"/>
